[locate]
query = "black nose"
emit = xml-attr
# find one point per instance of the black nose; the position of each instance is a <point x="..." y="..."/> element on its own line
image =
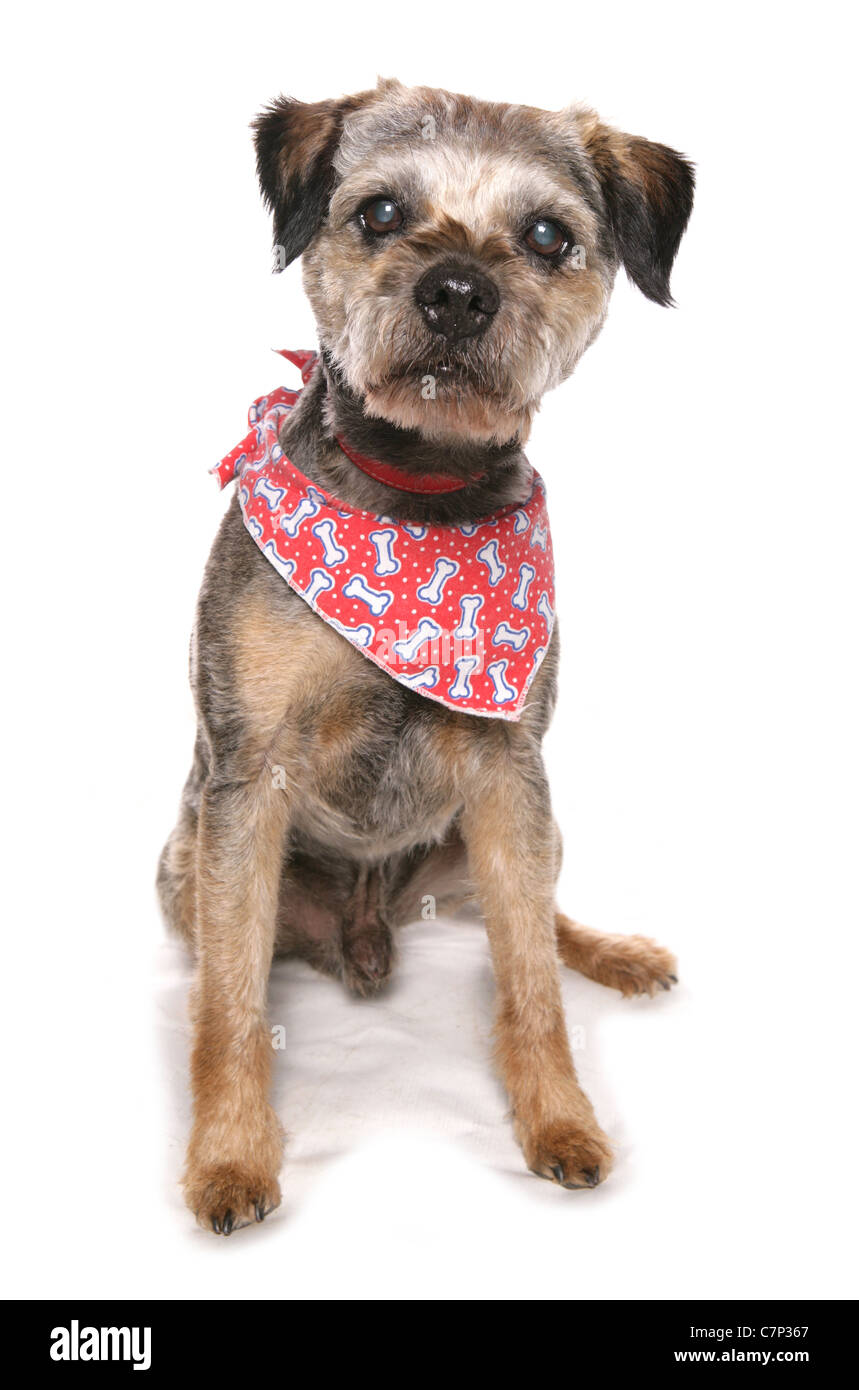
<point x="456" y="301"/>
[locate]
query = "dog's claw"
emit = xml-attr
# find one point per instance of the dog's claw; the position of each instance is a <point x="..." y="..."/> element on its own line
<point x="226" y="1200"/>
<point x="574" y="1160"/>
<point x="561" y="1178"/>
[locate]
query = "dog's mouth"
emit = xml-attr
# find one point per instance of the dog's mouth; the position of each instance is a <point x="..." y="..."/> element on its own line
<point x="443" y="391"/>
<point x="444" y="377"/>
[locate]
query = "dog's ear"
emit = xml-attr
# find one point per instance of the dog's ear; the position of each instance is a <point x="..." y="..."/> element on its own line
<point x="648" y="191"/>
<point x="295" y="146"/>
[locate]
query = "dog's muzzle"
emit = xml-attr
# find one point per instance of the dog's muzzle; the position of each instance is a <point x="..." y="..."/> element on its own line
<point x="456" y="301"/>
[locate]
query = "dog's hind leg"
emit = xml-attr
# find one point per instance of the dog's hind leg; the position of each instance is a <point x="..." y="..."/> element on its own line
<point x="177" y="868"/>
<point x="430" y="880"/>
<point x="331" y="914"/>
<point x="632" y="964"/>
<point x="368" y="947"/>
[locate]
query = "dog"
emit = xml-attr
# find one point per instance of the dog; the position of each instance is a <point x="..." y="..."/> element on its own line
<point x="459" y="256"/>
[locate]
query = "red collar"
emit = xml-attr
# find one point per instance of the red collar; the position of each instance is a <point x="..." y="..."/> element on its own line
<point x="374" y="468"/>
<point x="395" y="477"/>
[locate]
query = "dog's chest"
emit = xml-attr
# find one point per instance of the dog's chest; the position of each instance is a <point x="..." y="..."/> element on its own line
<point x="373" y="761"/>
<point x="381" y="778"/>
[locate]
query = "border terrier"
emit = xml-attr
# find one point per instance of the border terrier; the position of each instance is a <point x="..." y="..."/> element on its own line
<point x="472" y="246"/>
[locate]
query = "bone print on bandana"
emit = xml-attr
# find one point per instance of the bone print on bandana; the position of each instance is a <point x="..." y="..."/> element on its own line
<point x="459" y="614"/>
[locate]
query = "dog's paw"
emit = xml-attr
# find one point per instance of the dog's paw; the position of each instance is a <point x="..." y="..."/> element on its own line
<point x="631" y="964"/>
<point x="570" y="1154"/>
<point x="226" y="1197"/>
<point x="636" y="965"/>
<point x="367" y="961"/>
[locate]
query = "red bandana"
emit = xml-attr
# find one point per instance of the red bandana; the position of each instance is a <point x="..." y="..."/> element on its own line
<point x="461" y="614"/>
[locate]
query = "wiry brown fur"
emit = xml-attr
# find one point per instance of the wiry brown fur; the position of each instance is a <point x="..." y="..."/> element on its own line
<point x="325" y="799"/>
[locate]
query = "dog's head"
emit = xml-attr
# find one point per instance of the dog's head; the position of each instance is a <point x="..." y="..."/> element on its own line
<point x="459" y="254"/>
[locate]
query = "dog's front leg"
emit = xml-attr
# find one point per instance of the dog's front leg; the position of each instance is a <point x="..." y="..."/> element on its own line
<point x="508" y="830"/>
<point x="234" y="1156"/>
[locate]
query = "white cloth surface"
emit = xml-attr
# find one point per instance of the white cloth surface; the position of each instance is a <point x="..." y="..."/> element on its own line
<point x="416" y="1059"/>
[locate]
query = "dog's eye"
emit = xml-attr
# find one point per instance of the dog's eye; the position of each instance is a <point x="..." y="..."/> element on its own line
<point x="546" y="238"/>
<point x="382" y="216"/>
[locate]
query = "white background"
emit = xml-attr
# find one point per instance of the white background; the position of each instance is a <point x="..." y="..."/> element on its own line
<point x="701" y="471"/>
